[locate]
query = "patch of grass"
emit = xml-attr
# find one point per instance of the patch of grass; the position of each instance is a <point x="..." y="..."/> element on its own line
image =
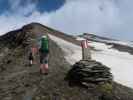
<point x="106" y="88"/>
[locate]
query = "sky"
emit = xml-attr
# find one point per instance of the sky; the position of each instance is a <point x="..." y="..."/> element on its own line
<point x="110" y="18"/>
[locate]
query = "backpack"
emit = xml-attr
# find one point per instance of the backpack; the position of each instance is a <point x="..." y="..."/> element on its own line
<point x="44" y="44"/>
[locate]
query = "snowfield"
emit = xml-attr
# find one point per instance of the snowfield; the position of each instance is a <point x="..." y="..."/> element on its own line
<point x="72" y="51"/>
<point x="121" y="63"/>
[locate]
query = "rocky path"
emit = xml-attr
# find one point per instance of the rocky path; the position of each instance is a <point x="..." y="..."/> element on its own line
<point x="19" y="81"/>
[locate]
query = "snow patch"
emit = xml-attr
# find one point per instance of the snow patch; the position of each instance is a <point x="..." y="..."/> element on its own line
<point x="119" y="62"/>
<point x="72" y="52"/>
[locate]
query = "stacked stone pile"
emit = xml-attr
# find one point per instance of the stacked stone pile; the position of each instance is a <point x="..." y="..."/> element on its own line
<point x="89" y="71"/>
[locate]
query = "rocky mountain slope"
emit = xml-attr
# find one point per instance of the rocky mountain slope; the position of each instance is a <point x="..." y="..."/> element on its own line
<point x="19" y="81"/>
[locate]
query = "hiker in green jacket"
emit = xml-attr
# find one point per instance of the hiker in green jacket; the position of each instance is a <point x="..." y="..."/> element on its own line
<point x="44" y="54"/>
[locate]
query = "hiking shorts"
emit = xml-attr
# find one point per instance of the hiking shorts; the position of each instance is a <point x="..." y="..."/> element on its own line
<point x="44" y="57"/>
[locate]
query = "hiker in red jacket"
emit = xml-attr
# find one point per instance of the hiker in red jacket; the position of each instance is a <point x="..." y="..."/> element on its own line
<point x="33" y="51"/>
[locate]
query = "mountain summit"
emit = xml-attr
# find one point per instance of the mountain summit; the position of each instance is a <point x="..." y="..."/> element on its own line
<point x="19" y="81"/>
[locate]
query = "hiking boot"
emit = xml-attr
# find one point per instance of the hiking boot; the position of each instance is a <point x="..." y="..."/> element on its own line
<point x="45" y="73"/>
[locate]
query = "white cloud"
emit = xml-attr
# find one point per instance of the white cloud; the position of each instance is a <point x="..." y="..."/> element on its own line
<point x="9" y="23"/>
<point x="16" y="18"/>
<point x="16" y="7"/>
<point x="105" y="17"/>
<point x="86" y="16"/>
<point x="14" y="4"/>
<point x="112" y="18"/>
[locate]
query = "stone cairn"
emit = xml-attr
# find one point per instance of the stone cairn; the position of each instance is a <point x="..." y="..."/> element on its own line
<point x="89" y="71"/>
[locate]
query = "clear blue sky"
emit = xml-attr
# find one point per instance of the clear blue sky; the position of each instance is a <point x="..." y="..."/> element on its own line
<point x="3" y="5"/>
<point x="49" y="5"/>
<point x="42" y="5"/>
